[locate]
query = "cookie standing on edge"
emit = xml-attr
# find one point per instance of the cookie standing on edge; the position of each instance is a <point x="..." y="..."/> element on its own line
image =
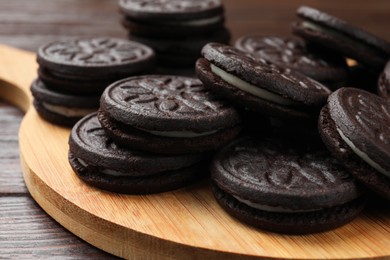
<point x="166" y="114"/>
<point x="88" y="65"/>
<point x="258" y="84"/>
<point x="59" y="108"/>
<point x="326" y="67"/>
<point x="100" y="162"/>
<point x="331" y="32"/>
<point x="284" y="187"/>
<point x="355" y="126"/>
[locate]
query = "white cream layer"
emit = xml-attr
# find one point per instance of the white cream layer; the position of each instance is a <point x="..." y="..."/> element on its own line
<point x="178" y="134"/>
<point x="199" y="22"/>
<point x="363" y="155"/>
<point x="67" y="111"/>
<point x="108" y="171"/>
<point x="270" y="208"/>
<point x="249" y="88"/>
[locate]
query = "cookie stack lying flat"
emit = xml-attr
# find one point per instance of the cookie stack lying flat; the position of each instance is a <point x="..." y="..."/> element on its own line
<point x="285" y="186"/>
<point x="73" y="74"/>
<point x="154" y="134"/>
<point x="175" y="29"/>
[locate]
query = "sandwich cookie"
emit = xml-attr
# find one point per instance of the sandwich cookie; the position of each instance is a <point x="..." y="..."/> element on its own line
<point x="258" y="85"/>
<point x="384" y="82"/>
<point x="59" y="108"/>
<point x="355" y="126"/>
<point x="166" y="114"/>
<point x="284" y="187"/>
<point x="101" y="163"/>
<point x="172" y="17"/>
<point x="88" y="65"/>
<point x="331" y="32"/>
<point x="324" y="66"/>
<point x="182" y="50"/>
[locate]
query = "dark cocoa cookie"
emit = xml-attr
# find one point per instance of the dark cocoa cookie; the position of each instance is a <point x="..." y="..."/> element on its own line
<point x="61" y="109"/>
<point x="259" y="85"/>
<point x="331" y="32"/>
<point x="283" y="186"/>
<point x="185" y="50"/>
<point x="100" y="162"/>
<point x="87" y="61"/>
<point x="172" y="17"/>
<point x="324" y="66"/>
<point x="384" y="82"/>
<point x="355" y="126"/>
<point x="166" y="114"/>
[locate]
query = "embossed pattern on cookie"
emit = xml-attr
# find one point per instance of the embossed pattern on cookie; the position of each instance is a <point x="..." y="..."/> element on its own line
<point x="95" y="52"/>
<point x="166" y="96"/>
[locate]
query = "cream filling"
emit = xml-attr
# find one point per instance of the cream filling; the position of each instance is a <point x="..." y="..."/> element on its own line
<point x="249" y="88"/>
<point x="200" y="22"/>
<point x="316" y="27"/>
<point x="178" y="134"/>
<point x="363" y="155"/>
<point x="67" y="111"/>
<point x="270" y="208"/>
<point x="107" y="171"/>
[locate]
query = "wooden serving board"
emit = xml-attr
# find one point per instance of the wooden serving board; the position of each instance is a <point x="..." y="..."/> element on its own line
<point x="186" y="223"/>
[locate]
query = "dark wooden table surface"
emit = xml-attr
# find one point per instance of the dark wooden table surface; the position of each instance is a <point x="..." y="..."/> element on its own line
<point x="26" y="231"/>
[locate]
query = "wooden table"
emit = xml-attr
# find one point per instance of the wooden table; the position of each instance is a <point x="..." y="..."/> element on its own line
<point x="28" y="232"/>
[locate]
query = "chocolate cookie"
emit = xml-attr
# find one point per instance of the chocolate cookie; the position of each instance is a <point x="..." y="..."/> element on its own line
<point x="324" y="66"/>
<point x="331" y="32"/>
<point x="166" y="114"/>
<point x="172" y="17"/>
<point x="100" y="162"/>
<point x="259" y="85"/>
<point x="384" y="82"/>
<point x="88" y="65"/>
<point x="285" y="187"/>
<point x="61" y="109"/>
<point x="181" y="51"/>
<point x="355" y="126"/>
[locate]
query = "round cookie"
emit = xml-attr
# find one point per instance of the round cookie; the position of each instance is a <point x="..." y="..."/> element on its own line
<point x="182" y="51"/>
<point x="281" y="186"/>
<point x="171" y="17"/>
<point x="384" y="82"/>
<point x="324" y="66"/>
<point x="355" y="126"/>
<point x="61" y="109"/>
<point x="100" y="162"/>
<point x="331" y="32"/>
<point x="91" y="60"/>
<point x="166" y="114"/>
<point x="258" y="85"/>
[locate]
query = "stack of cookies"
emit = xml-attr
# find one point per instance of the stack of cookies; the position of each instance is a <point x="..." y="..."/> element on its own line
<point x="151" y="134"/>
<point x="73" y="74"/>
<point x="175" y="29"/>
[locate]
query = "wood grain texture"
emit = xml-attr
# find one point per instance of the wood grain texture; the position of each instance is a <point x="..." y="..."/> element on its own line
<point x="176" y="224"/>
<point x="27" y="232"/>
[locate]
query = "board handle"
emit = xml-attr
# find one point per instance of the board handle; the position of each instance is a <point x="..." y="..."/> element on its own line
<point x="17" y="70"/>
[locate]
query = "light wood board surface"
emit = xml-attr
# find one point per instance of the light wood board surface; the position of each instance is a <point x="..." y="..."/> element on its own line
<point x="186" y="223"/>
